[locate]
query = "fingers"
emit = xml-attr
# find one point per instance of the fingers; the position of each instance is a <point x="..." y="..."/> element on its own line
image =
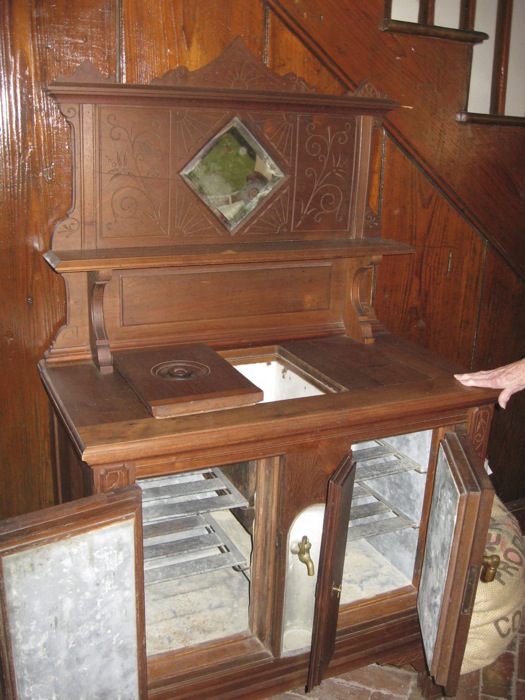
<point x="505" y="395"/>
<point x="509" y="378"/>
<point x="480" y="379"/>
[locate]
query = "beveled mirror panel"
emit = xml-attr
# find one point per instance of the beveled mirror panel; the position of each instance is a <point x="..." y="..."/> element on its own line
<point x="232" y="174"/>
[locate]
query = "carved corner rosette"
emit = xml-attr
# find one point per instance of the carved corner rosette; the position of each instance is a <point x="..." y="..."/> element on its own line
<point x="361" y="322"/>
<point x="111" y="478"/>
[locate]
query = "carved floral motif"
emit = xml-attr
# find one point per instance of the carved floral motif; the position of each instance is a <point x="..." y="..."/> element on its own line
<point x="478" y="426"/>
<point x="136" y="175"/>
<point x="67" y="228"/>
<point x="372" y="219"/>
<point x="328" y="174"/>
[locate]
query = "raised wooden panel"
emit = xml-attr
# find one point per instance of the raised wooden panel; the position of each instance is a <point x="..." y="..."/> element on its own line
<point x="431" y="297"/>
<point x="221" y="303"/>
<point x="129" y="190"/>
<point x="307" y="289"/>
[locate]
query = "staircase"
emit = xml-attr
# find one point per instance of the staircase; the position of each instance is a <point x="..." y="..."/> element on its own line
<point x="496" y="30"/>
<point x="426" y="68"/>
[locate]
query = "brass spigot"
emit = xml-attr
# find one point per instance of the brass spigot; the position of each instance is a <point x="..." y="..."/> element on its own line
<point x="304" y="554"/>
<point x="490" y="566"/>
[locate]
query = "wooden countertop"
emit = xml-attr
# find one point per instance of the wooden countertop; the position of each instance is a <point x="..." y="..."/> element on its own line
<point x="395" y="384"/>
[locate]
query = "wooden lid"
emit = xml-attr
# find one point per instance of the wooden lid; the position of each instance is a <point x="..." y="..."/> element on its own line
<point x="182" y="379"/>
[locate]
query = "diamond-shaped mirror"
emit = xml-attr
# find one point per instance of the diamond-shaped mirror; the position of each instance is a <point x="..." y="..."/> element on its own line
<point x="232" y="174"/>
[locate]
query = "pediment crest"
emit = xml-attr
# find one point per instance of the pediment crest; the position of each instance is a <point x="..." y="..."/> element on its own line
<point x="86" y="72"/>
<point x="236" y="68"/>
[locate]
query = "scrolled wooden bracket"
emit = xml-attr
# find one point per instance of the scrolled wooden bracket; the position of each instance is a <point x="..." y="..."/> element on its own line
<point x="360" y="319"/>
<point x="98" y="338"/>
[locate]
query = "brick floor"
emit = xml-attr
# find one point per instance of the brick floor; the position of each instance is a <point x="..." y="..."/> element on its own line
<point x="502" y="680"/>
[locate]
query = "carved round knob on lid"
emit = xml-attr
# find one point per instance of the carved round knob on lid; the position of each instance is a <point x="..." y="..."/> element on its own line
<point x="180" y="370"/>
<point x="180" y="373"/>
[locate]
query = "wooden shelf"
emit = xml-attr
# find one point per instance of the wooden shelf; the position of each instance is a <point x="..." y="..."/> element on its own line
<point x="219" y="254"/>
<point x="181" y="537"/>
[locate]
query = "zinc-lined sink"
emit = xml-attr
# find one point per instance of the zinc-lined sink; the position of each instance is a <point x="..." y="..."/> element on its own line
<point x="280" y="379"/>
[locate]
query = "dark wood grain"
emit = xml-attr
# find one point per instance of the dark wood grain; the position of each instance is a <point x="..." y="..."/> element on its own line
<point x="431" y="297"/>
<point x="195" y="379"/>
<point x="40" y="40"/>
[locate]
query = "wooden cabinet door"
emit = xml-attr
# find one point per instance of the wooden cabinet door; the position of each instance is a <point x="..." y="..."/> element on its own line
<point x="331" y="563"/>
<point x="458" y="522"/>
<point x="72" y="600"/>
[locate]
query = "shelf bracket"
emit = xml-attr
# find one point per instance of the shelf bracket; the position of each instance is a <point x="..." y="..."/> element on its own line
<point x="98" y="338"/>
<point x="360" y="319"/>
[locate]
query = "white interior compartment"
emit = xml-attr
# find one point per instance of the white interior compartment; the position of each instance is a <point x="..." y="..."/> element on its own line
<point x="196" y="561"/>
<point x="278" y="381"/>
<point x="198" y="608"/>
<point x="300" y="587"/>
<point x="388" y="497"/>
<point x="383" y="532"/>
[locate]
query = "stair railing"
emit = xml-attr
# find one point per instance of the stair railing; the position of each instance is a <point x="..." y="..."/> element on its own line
<point x="423" y="22"/>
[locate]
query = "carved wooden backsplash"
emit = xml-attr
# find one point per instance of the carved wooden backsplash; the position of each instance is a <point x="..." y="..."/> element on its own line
<point x="150" y="253"/>
<point x="131" y="143"/>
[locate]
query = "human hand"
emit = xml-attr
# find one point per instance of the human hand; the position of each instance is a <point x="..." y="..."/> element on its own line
<point x="510" y="378"/>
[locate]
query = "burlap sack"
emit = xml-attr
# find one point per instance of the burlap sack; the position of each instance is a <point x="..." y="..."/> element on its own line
<point x="498" y="606"/>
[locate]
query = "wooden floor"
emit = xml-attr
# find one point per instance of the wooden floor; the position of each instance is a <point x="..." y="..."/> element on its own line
<point x="503" y="680"/>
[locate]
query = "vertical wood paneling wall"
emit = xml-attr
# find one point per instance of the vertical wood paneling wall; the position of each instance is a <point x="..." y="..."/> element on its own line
<point x="457" y="296"/>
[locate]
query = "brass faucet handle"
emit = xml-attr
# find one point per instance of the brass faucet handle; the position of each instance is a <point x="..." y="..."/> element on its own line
<point x="304" y="554"/>
<point x="489" y="567"/>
